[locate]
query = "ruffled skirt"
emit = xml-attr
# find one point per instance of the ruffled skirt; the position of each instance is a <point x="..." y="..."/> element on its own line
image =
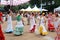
<point x="42" y="30"/>
<point x="19" y="28"/>
<point x="9" y="28"/>
<point x="18" y="31"/>
<point x="1" y="34"/>
<point x="57" y="38"/>
<point x="32" y="29"/>
<point x="50" y="27"/>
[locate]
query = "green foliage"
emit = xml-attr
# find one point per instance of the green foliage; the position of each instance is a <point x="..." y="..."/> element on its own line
<point x="17" y="8"/>
<point x="23" y="6"/>
<point x="35" y="2"/>
<point x="51" y="7"/>
<point x="1" y="6"/>
<point x="57" y="2"/>
<point x="32" y="3"/>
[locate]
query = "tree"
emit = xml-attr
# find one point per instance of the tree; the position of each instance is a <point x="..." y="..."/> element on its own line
<point x="38" y="2"/>
<point x="57" y="2"/>
<point x="35" y="2"/>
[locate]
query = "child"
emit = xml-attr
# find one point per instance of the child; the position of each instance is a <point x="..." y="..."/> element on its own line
<point x="1" y="33"/>
<point x="58" y="33"/>
<point x="19" y="27"/>
<point x="9" y="23"/>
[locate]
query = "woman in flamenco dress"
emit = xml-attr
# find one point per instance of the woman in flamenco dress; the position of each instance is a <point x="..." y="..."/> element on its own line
<point x="50" y="22"/>
<point x="19" y="26"/>
<point x="58" y="33"/>
<point x="1" y="33"/>
<point x="42" y="27"/>
<point x="32" y="23"/>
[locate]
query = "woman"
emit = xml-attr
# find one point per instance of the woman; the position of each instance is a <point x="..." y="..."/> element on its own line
<point x="37" y="24"/>
<point x="50" y="22"/>
<point x="38" y="19"/>
<point x="19" y="27"/>
<point x="1" y="33"/>
<point x="42" y="27"/>
<point x="9" y="23"/>
<point x="58" y="33"/>
<point x="55" y="21"/>
<point x="32" y="23"/>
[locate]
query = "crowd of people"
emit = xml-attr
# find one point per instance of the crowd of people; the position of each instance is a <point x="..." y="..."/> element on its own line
<point x="40" y="23"/>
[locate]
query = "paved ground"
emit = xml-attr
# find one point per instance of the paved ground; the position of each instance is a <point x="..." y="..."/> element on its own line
<point x="27" y="35"/>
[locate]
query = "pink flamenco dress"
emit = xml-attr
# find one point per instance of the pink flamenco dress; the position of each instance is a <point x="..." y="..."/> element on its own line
<point x="58" y="35"/>
<point x="1" y="33"/>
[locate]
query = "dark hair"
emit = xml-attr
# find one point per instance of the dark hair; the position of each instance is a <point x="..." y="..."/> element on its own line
<point x="20" y="12"/>
<point x="8" y="12"/>
<point x="33" y="14"/>
<point x="56" y="13"/>
<point x="50" y="12"/>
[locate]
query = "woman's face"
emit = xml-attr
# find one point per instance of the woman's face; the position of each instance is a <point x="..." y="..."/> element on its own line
<point x="10" y="14"/>
<point x="43" y="14"/>
<point x="53" y="16"/>
<point x="50" y="13"/>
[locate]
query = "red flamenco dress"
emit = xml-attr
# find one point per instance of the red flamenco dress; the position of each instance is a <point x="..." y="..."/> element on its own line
<point x="32" y="24"/>
<point x="33" y="29"/>
<point x="1" y="33"/>
<point x="50" y="25"/>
